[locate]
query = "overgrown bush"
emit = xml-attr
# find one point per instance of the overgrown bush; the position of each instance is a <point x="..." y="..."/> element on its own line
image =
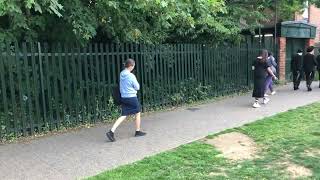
<point x="190" y="91"/>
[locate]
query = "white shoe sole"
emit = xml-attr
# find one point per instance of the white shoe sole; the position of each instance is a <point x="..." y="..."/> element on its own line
<point x="266" y="101"/>
<point x="256" y="106"/>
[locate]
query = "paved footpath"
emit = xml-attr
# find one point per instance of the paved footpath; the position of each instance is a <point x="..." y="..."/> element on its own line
<point x="86" y="152"/>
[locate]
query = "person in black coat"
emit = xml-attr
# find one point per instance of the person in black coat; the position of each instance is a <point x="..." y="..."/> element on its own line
<point x="318" y="65"/>
<point x="261" y="69"/>
<point x="309" y="64"/>
<point x="296" y="68"/>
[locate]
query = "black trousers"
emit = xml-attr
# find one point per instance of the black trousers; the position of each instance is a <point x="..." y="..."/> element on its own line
<point x="309" y="78"/>
<point x="297" y="76"/>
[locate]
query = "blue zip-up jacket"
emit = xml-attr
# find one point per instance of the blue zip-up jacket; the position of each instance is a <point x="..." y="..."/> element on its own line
<point x="128" y="84"/>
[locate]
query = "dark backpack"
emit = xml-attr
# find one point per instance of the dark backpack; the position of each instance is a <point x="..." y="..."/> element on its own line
<point x="116" y="95"/>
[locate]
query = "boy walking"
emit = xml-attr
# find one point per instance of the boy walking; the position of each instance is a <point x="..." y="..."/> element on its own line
<point x="309" y="64"/>
<point x="296" y="68"/>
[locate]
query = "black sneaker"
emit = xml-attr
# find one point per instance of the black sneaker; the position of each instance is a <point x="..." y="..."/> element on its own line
<point x="110" y="136"/>
<point x="309" y="89"/>
<point x="140" y="133"/>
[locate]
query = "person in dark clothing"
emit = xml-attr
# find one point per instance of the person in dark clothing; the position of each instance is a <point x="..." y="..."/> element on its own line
<point x="296" y="68"/>
<point x="261" y="70"/>
<point x="309" y="64"/>
<point x="318" y="65"/>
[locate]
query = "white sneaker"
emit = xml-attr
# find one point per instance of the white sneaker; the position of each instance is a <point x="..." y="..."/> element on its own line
<point x="256" y="105"/>
<point x="266" y="100"/>
<point x="273" y="92"/>
<point x="266" y="95"/>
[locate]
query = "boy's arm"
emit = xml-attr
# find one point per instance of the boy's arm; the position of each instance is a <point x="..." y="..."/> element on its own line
<point x="135" y="83"/>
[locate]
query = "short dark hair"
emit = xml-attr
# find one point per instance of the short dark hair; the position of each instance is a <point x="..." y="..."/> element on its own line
<point x="129" y="62"/>
<point x="270" y="53"/>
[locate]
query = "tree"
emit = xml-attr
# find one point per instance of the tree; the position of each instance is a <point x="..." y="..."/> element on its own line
<point x="148" y="21"/>
<point x="163" y="21"/>
<point x="24" y="18"/>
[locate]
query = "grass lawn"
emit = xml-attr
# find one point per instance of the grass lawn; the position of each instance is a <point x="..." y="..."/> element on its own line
<point x="291" y="137"/>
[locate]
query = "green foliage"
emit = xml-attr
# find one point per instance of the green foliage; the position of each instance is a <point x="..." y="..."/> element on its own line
<point x="251" y="14"/>
<point x="289" y="8"/>
<point x="112" y="111"/>
<point x="316" y="2"/>
<point x="190" y="91"/>
<point x="162" y="21"/>
<point x="24" y="19"/>
<point x="151" y="21"/>
<point x="80" y="17"/>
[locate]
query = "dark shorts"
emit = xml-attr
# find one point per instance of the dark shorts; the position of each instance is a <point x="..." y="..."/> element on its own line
<point x="130" y="106"/>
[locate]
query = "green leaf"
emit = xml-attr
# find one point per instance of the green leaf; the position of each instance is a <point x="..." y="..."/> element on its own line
<point x="37" y="7"/>
<point x="164" y="4"/>
<point x="29" y="3"/>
